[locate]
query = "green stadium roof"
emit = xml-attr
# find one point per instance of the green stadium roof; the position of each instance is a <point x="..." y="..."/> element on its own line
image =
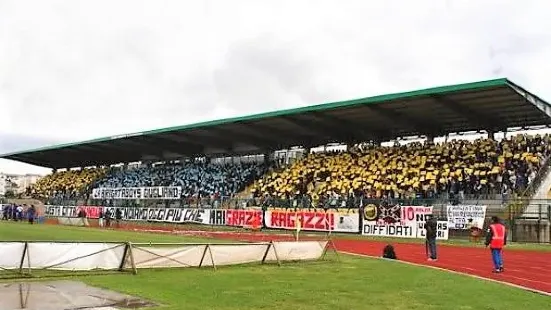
<point x="488" y="105"/>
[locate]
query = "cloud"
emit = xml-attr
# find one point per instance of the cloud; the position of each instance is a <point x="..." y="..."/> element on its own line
<point x="11" y="143"/>
<point x="73" y="70"/>
<point x="264" y="72"/>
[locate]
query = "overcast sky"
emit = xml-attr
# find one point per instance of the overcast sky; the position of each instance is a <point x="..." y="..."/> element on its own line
<point x="73" y="70"/>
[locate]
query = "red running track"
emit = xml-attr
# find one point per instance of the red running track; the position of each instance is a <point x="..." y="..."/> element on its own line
<point x="528" y="269"/>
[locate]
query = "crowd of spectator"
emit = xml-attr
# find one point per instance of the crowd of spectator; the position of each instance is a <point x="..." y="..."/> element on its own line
<point x="415" y="170"/>
<point x="67" y="184"/>
<point x="18" y="213"/>
<point x="196" y="178"/>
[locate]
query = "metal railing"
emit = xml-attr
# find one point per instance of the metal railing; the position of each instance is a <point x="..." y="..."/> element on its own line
<point x="530" y="191"/>
<point x="535" y="229"/>
<point x="496" y="200"/>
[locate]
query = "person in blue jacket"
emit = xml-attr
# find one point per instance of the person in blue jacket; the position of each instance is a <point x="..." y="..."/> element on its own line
<point x="31" y="213"/>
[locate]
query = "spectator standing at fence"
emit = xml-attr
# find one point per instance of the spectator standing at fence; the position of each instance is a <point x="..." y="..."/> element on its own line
<point x="100" y="218"/>
<point x="431" y="231"/>
<point x="118" y="217"/>
<point x="108" y="218"/>
<point x="496" y="238"/>
<point x="31" y="213"/>
<point x="19" y="213"/>
<point x="5" y="210"/>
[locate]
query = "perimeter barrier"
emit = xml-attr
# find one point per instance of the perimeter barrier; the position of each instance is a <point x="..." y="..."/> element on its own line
<point x="399" y="219"/>
<point x="25" y="258"/>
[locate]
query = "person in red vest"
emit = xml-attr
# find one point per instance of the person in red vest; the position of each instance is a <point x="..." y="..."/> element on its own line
<point x="496" y="238"/>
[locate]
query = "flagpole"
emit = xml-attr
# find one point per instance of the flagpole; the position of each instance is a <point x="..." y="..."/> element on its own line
<point x="298" y="225"/>
<point x="328" y="224"/>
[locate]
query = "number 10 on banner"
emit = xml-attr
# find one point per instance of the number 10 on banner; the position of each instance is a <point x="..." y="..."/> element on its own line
<point x="408" y="214"/>
<point x="415" y="214"/>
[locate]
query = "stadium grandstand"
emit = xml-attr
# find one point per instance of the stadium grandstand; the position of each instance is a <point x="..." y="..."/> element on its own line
<point x="407" y="146"/>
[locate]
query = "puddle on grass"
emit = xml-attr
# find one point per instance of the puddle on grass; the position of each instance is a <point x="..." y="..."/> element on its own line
<point x="65" y="295"/>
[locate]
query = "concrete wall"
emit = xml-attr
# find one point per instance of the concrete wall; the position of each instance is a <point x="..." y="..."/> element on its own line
<point x="532" y="231"/>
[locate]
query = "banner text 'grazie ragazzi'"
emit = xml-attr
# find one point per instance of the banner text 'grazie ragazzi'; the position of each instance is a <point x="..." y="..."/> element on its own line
<point x="340" y="220"/>
<point x="409" y="221"/>
<point x="313" y="220"/>
<point x="243" y="217"/>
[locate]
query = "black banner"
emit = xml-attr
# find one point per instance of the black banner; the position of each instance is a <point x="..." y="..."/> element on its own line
<point x="384" y="212"/>
<point x="218" y="217"/>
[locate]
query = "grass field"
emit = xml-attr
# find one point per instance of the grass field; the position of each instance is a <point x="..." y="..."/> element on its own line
<point x="543" y="247"/>
<point x="352" y="283"/>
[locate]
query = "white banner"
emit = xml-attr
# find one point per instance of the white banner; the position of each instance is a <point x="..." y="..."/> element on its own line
<point x="466" y="216"/>
<point x="441" y="230"/>
<point x="414" y="214"/>
<point x="338" y="220"/>
<point x="167" y="215"/>
<point x="72" y="211"/>
<point x="409" y="230"/>
<point x="61" y="211"/>
<point x="396" y="230"/>
<point x="156" y="192"/>
<point x="174" y="215"/>
<point x="400" y="222"/>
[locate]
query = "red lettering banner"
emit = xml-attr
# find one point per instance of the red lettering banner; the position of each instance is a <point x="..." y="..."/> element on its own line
<point x="243" y="217"/>
<point x="309" y="220"/>
<point x="91" y="211"/>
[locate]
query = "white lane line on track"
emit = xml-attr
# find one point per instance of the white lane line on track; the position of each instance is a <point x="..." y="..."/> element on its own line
<point x="529" y="280"/>
<point x="455" y="272"/>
